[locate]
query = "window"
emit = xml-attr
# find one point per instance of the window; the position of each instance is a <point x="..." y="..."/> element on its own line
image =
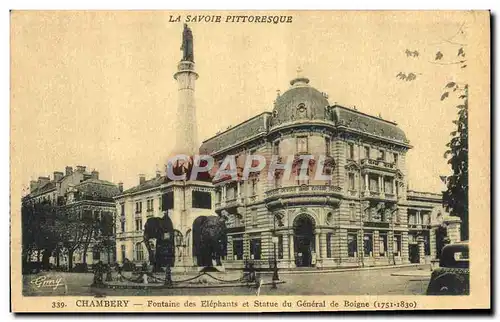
<point x="139" y="252"/>
<point x="327" y="146"/>
<point x="367" y="152"/>
<point x="255" y="248"/>
<point x="381" y="155"/>
<point x="374" y="183"/>
<point x="138" y="224"/>
<point x="123" y="224"/>
<point x="388" y="185"/>
<point x="237" y="247"/>
<point x="302" y="144"/>
<point x="201" y="199"/>
<point x="280" y="246"/>
<point x="218" y="196"/>
<point x="352" y="185"/>
<point x="329" y="245"/>
<point x="382" y="244"/>
<point x="350" y="151"/>
<point x="368" y="245"/>
<point x="396" y="248"/>
<point x="395" y="158"/>
<point x="123" y="252"/>
<point x="138" y="207"/>
<point x="352" y="244"/>
<point x="230" y="192"/>
<point x="122" y="212"/>
<point x="167" y="201"/>
<point x="276" y="148"/>
<point x="352" y="212"/>
<point x="149" y="205"/>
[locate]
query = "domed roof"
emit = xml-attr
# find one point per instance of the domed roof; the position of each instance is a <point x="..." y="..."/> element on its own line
<point x="300" y="102"/>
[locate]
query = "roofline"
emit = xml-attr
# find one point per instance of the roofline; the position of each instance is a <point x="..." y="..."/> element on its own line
<point x="371" y="116"/>
<point x="237" y="125"/>
<point x="163" y="185"/>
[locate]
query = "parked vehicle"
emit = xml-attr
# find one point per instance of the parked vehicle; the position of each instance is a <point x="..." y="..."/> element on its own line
<point x="452" y="275"/>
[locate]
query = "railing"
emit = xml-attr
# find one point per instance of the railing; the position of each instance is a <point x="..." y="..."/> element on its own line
<point x="302" y="189"/>
<point x="378" y="163"/>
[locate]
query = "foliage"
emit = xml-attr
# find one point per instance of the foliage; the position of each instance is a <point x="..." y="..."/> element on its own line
<point x="455" y="198"/>
<point x="48" y="228"/>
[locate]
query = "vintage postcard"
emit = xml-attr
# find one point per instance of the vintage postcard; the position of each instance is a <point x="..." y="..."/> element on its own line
<point x="258" y="161"/>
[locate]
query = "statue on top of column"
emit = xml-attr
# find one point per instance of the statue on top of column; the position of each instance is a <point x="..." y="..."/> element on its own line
<point x="187" y="44"/>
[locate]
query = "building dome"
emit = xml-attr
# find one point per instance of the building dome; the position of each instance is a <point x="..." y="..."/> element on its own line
<point x="300" y="102"/>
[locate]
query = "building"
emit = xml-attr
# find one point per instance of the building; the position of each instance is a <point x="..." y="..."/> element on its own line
<point x="363" y="215"/>
<point x="81" y="194"/>
<point x="182" y="201"/>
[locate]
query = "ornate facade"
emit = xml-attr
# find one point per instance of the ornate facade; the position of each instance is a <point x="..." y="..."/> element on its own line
<point x="364" y="215"/>
<point x="83" y="195"/>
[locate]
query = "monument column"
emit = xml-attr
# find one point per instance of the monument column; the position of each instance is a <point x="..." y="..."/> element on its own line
<point x="186" y="127"/>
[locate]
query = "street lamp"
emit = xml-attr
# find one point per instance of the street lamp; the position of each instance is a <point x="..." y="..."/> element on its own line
<point x="168" y="272"/>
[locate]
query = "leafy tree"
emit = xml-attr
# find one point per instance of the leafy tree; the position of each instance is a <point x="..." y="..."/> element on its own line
<point x="456" y="197"/>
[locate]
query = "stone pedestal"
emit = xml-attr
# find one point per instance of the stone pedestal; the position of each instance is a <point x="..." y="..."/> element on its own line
<point x="453" y="228"/>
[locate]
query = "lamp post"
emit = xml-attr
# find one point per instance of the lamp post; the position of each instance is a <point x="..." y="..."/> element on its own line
<point x="168" y="272"/>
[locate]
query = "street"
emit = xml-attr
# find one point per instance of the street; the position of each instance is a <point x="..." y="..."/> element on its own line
<point x="356" y="282"/>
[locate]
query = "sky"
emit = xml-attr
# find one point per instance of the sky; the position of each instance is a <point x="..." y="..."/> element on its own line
<point x="97" y="88"/>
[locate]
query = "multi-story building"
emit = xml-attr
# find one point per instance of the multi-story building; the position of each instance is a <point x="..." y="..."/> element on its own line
<point x="183" y="202"/>
<point x="362" y="215"/>
<point x="81" y="194"/>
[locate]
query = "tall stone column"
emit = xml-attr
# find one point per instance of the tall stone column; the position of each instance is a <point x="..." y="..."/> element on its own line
<point x="186" y="126"/>
<point x="367" y="188"/>
<point x="291" y="250"/>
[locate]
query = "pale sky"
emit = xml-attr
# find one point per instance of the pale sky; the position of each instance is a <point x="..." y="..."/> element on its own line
<point x="97" y="88"/>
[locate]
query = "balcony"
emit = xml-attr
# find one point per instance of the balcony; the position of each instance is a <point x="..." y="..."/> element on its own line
<point x="378" y="165"/>
<point x="303" y="194"/>
<point x="230" y="205"/>
<point x="376" y="224"/>
<point x="377" y="195"/>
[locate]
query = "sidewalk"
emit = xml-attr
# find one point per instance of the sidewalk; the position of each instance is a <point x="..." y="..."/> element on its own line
<point x="414" y="273"/>
<point x="312" y="270"/>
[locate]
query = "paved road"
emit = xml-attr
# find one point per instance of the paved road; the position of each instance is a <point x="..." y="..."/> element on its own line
<point x="367" y="282"/>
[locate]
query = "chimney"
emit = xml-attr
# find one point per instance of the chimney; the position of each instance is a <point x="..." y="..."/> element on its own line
<point x="58" y="175"/>
<point x="69" y="170"/>
<point x="142" y="178"/>
<point x="120" y="186"/>
<point x="158" y="174"/>
<point x="80" y="168"/>
<point x="94" y="174"/>
<point x="33" y="185"/>
<point x="43" y="180"/>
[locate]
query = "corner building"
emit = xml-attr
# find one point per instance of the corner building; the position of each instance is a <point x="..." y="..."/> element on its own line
<point x="364" y="215"/>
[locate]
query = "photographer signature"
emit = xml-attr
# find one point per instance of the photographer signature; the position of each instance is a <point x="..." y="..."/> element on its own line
<point x="47" y="282"/>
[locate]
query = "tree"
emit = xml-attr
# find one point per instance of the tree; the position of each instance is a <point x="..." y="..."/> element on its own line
<point x="456" y="197"/>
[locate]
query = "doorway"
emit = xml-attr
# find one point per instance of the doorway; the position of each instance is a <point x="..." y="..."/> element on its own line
<point x="304" y="243"/>
<point x="413" y="253"/>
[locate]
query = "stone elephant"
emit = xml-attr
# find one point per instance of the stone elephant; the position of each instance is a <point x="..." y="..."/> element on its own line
<point x="162" y="230"/>
<point x="209" y="239"/>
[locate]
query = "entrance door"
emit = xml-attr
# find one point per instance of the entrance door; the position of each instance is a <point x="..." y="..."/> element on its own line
<point x="303" y="241"/>
<point x="413" y="252"/>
